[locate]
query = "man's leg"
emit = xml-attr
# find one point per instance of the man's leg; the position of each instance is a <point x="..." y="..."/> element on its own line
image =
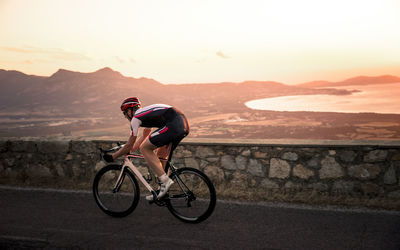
<point x="163" y="153"/>
<point x="147" y="149"/>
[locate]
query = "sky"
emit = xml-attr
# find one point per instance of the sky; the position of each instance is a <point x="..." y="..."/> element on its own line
<point x="199" y="41"/>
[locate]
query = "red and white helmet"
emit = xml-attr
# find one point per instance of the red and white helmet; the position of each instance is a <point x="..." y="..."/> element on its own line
<point x="131" y="102"/>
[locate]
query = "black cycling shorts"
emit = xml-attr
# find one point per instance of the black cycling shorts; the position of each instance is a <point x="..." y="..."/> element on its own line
<point x="176" y="128"/>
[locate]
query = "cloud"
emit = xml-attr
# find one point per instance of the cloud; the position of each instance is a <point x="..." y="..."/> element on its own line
<point x="119" y="59"/>
<point x="222" y="55"/>
<point x="54" y="53"/>
<point x="19" y="50"/>
<point x="132" y="60"/>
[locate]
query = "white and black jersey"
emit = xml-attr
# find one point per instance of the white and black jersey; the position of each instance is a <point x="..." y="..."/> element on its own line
<point x="171" y="123"/>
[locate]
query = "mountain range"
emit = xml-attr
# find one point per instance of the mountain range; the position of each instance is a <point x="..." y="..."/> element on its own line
<point x="100" y="92"/>
<point x="87" y="104"/>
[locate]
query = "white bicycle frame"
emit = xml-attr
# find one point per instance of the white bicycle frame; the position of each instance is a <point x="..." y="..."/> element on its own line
<point x="128" y="164"/>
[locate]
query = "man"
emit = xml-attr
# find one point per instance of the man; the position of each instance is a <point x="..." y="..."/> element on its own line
<point x="172" y="128"/>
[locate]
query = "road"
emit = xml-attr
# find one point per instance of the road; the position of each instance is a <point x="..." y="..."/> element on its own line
<point x="59" y="219"/>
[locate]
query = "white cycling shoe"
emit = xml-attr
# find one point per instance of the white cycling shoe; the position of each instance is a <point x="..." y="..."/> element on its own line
<point x="163" y="190"/>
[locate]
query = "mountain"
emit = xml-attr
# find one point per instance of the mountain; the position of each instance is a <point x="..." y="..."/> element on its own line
<point x="67" y="92"/>
<point x="87" y="104"/>
<point x="99" y="93"/>
<point x="360" y="80"/>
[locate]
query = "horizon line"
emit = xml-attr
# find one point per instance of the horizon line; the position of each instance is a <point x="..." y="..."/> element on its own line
<point x="270" y="81"/>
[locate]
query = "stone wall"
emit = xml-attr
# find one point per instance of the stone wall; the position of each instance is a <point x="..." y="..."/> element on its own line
<point x="346" y="173"/>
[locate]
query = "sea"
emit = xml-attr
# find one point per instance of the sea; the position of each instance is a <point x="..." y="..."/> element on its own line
<point x="377" y="98"/>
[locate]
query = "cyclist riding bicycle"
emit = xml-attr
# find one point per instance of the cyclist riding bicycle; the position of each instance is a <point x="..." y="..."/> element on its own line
<point x="172" y="128"/>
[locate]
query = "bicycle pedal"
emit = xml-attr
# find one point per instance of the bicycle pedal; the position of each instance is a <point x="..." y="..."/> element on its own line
<point x="160" y="203"/>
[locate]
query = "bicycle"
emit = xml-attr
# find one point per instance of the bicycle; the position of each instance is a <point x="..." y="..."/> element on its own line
<point x="191" y="199"/>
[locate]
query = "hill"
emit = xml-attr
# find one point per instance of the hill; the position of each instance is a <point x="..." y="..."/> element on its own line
<point x="87" y="104"/>
<point x="360" y="80"/>
<point x="100" y="92"/>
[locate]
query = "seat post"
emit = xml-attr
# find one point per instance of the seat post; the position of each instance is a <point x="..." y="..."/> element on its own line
<point x="171" y="148"/>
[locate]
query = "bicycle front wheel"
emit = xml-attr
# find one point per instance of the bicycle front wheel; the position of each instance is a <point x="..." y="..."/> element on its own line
<point x="115" y="201"/>
<point x="192" y="197"/>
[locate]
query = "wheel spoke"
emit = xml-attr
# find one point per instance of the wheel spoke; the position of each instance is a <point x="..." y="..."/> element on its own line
<point x="184" y="203"/>
<point x="115" y="200"/>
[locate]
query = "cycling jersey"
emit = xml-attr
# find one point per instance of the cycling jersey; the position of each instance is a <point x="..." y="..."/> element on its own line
<point x="171" y="123"/>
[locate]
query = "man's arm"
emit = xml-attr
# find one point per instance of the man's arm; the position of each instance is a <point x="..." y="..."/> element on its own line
<point x="126" y="148"/>
<point x="138" y="142"/>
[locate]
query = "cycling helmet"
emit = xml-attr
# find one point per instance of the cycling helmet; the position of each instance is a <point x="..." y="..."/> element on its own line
<point x="132" y="102"/>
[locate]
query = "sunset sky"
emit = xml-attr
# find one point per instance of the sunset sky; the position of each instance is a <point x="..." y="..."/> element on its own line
<point x="189" y="41"/>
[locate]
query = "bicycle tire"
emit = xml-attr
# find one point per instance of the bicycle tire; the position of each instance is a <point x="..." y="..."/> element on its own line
<point x="192" y="198"/>
<point x="122" y="202"/>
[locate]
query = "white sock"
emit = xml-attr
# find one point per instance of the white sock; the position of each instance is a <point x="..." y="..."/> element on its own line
<point x="163" y="178"/>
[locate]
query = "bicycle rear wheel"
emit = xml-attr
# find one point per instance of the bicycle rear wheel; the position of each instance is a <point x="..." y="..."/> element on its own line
<point x="192" y="197"/>
<point x="120" y="202"/>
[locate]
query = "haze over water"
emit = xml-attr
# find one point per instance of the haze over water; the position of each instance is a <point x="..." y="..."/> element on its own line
<point x="382" y="98"/>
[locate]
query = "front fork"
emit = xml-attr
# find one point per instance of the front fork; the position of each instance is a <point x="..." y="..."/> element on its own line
<point x="120" y="180"/>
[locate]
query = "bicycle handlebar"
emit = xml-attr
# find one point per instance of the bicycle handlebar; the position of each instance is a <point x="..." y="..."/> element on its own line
<point x="111" y="149"/>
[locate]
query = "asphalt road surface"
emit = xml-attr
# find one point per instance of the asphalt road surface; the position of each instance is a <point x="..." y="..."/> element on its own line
<point x="57" y="219"/>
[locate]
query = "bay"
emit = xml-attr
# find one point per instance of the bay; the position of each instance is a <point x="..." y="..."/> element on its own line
<point x="377" y="98"/>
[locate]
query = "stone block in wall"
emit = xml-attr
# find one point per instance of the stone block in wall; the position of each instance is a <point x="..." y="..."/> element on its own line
<point x="1" y="168"/>
<point x="246" y="152"/>
<point x="279" y="169"/>
<point x="59" y="170"/>
<point x="212" y="159"/>
<point x="84" y="147"/>
<point x="376" y="156"/>
<point x="319" y="187"/>
<point x="22" y="146"/>
<point x="371" y="189"/>
<point x="269" y="184"/>
<point x="343" y="187"/>
<point x="390" y="176"/>
<point x="292" y="186"/>
<point x="191" y="163"/>
<point x="394" y="194"/>
<point x="51" y="147"/>
<point x="255" y="168"/>
<point x="347" y="156"/>
<point x="215" y="173"/>
<point x="396" y="157"/>
<point x="364" y="171"/>
<point x="302" y="172"/>
<point x="3" y="146"/>
<point x="204" y="152"/>
<point x="204" y="163"/>
<point x="290" y="156"/>
<point x="12" y="174"/>
<point x="227" y="162"/>
<point x="181" y="152"/>
<point x="239" y="180"/>
<point x="9" y="161"/>
<point x="260" y="155"/>
<point x="99" y="165"/>
<point x="230" y="150"/>
<point x="241" y="162"/>
<point x="68" y="157"/>
<point x="330" y="169"/>
<point x="79" y="170"/>
<point x="38" y="171"/>
<point x="313" y="163"/>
